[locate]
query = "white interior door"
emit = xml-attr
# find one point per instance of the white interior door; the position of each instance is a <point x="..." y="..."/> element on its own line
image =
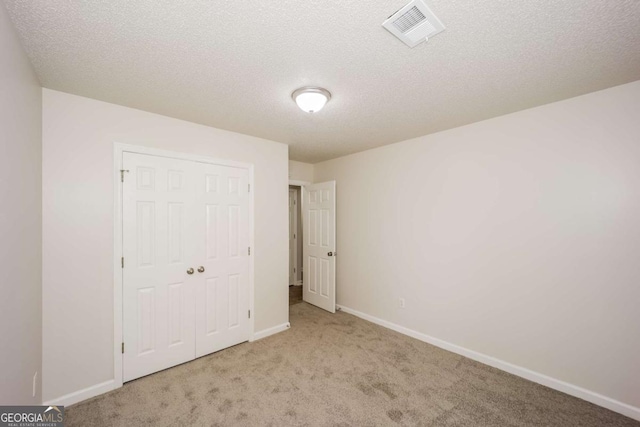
<point x="319" y="261"/>
<point x="293" y="241"/>
<point x="158" y="297"/>
<point x="186" y="265"/>
<point x="222" y="287"/>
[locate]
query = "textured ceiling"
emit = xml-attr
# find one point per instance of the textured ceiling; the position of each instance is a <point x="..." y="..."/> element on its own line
<point x="233" y="65"/>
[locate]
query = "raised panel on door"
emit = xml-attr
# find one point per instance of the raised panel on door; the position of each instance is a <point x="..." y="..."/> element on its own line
<point x="158" y="299"/>
<point x="312" y="278"/>
<point x="176" y="224"/>
<point x="146" y="317"/>
<point x="176" y="308"/>
<point x="222" y="291"/>
<point x="319" y="210"/>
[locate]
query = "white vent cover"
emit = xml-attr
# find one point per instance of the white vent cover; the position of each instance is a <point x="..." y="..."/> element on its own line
<point x="414" y="23"/>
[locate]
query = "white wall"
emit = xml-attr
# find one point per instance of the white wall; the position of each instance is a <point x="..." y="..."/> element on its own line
<point x="299" y="171"/>
<point x="20" y="221"/>
<point x="517" y="237"/>
<point x="78" y="137"/>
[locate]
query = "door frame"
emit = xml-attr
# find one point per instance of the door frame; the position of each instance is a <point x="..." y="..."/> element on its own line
<point x="297" y="183"/>
<point x="295" y="233"/>
<point x="301" y="184"/>
<point x="118" y="150"/>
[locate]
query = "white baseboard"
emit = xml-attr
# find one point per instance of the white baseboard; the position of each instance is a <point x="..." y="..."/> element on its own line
<point x="299" y="283"/>
<point x="570" y="389"/>
<point x="270" y="331"/>
<point x="84" y="394"/>
<point x="95" y="390"/>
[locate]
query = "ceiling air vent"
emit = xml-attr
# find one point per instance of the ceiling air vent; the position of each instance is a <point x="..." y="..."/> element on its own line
<point x="414" y="23"/>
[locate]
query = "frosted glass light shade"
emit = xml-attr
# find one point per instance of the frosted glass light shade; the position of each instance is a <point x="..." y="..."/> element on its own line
<point x="311" y="99"/>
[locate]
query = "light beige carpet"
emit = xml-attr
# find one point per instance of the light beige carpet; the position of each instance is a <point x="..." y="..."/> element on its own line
<point x="330" y="370"/>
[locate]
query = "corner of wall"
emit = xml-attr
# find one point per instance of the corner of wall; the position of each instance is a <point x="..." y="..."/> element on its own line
<point x="21" y="226"/>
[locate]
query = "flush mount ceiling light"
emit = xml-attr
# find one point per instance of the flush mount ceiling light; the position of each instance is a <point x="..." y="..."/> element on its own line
<point x="311" y="99"/>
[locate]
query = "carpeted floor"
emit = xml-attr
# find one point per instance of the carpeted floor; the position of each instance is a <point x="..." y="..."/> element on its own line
<point x="336" y="370"/>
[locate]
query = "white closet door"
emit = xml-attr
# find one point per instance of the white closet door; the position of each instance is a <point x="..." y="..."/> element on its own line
<point x="319" y="264"/>
<point x="158" y="247"/>
<point x="222" y="288"/>
<point x="186" y="261"/>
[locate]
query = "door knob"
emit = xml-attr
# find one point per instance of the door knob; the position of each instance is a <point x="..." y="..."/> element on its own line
<point x="201" y="269"/>
<point x="330" y="254"/>
<point x="190" y="271"/>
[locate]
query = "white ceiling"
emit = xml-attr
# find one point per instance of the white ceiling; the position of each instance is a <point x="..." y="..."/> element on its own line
<point x="234" y="64"/>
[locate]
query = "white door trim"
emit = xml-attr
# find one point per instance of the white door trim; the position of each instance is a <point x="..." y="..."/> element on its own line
<point x="118" y="150"/>
<point x="295" y="233"/>
<point x="298" y="183"/>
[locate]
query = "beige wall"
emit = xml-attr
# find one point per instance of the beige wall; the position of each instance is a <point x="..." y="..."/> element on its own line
<point x="517" y="237"/>
<point x="20" y="221"/>
<point x="78" y="137"/>
<point x="299" y="171"/>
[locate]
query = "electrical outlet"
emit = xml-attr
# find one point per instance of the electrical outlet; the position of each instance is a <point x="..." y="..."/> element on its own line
<point x="402" y="303"/>
<point x="35" y="383"/>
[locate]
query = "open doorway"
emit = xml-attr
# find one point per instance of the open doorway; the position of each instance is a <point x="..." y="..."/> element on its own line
<point x="295" y="245"/>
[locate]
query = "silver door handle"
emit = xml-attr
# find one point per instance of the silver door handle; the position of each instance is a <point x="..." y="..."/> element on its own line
<point x="190" y="271"/>
<point x="201" y="269"/>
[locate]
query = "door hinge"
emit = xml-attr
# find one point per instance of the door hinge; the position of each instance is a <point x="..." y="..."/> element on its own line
<point x="122" y="262"/>
<point x="122" y="171"/>
<point x="248" y="188"/>
<point x="294" y="235"/>
<point x="249" y="250"/>
<point x="122" y="348"/>
<point x="249" y="314"/>
<point x="294" y="269"/>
